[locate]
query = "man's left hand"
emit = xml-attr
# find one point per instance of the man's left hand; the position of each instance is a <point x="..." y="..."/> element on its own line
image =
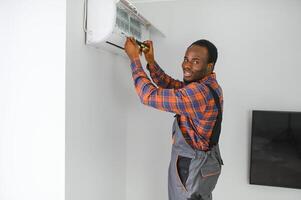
<point x="131" y="48"/>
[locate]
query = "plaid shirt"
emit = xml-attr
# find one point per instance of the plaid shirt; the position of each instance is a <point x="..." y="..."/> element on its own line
<point x="192" y="102"/>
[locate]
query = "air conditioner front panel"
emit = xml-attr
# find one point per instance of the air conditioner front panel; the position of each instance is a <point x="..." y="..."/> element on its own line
<point x="109" y="23"/>
<point x="101" y="18"/>
<point x="117" y="38"/>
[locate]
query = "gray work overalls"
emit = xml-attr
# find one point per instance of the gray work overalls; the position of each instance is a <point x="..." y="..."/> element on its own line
<point x="204" y="167"/>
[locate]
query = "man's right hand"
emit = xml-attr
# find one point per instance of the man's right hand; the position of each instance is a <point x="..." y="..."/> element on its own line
<point x="149" y="53"/>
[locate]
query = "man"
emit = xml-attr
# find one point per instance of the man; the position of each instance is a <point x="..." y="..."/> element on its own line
<point x="195" y="163"/>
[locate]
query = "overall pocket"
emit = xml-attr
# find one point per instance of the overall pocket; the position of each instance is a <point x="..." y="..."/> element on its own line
<point x="209" y="174"/>
<point x="206" y="177"/>
<point x="182" y="167"/>
<point x="211" y="166"/>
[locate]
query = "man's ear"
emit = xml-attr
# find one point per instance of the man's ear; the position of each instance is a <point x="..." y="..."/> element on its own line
<point x="210" y="67"/>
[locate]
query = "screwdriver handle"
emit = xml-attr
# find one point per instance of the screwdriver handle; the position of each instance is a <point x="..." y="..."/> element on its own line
<point x="141" y="45"/>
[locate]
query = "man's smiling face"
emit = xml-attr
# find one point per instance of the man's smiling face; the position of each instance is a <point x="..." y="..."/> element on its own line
<point x="195" y="64"/>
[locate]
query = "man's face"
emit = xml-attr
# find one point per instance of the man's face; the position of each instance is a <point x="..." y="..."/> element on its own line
<point x="195" y="65"/>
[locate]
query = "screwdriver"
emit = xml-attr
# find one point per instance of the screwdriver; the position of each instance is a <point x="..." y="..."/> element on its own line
<point x="143" y="47"/>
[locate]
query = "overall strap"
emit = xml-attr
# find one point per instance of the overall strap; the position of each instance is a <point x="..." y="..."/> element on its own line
<point x="217" y="126"/>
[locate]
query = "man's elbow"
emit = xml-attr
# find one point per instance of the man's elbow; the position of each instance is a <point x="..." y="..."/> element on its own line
<point x="144" y="99"/>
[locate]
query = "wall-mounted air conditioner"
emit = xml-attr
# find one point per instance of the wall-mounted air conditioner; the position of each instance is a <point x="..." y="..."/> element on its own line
<point x="108" y="22"/>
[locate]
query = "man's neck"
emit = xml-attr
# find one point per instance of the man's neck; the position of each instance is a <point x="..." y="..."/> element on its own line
<point x="188" y="82"/>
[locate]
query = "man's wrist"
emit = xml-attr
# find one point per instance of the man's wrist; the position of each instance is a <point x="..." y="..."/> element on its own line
<point x="135" y="63"/>
<point x="152" y="63"/>
<point x="134" y="58"/>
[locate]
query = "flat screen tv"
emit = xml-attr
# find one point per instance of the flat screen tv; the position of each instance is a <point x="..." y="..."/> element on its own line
<point x="276" y="149"/>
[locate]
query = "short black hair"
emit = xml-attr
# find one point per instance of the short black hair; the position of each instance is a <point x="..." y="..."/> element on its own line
<point x="212" y="50"/>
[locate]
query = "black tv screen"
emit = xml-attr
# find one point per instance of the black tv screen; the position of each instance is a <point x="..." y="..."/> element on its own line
<point x="276" y="149"/>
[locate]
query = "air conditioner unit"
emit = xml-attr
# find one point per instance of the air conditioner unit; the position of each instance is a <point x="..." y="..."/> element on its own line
<point x="108" y="22"/>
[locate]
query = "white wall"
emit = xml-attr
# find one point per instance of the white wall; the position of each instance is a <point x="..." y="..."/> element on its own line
<point x="258" y="68"/>
<point x="32" y="102"/>
<point x="116" y="148"/>
<point x="97" y="84"/>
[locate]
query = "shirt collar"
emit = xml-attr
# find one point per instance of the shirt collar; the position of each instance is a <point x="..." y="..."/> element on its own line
<point x="208" y="78"/>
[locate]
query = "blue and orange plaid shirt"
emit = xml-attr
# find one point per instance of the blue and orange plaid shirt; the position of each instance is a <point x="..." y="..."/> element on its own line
<point x="193" y="102"/>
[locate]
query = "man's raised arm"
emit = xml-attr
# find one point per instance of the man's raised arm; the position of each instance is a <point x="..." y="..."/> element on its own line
<point x="157" y="74"/>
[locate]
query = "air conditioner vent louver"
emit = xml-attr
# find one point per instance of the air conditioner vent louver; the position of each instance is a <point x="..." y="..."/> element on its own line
<point x="128" y="24"/>
<point x="135" y="28"/>
<point x="122" y="20"/>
